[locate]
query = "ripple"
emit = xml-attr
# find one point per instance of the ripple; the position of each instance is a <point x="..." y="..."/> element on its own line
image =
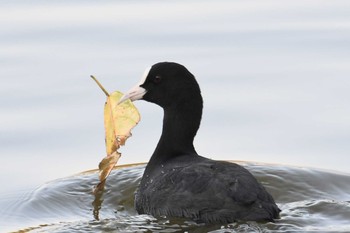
<point x="310" y="200"/>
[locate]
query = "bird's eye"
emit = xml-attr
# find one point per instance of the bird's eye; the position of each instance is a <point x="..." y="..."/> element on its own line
<point x="157" y="79"/>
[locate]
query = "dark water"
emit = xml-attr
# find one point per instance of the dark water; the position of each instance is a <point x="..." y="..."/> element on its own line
<point x="310" y="200"/>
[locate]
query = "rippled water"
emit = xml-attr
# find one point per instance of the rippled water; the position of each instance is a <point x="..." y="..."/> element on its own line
<point x="310" y="200"/>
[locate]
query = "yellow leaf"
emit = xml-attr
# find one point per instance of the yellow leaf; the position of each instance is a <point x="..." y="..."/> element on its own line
<point x="119" y="119"/>
<point x="106" y="165"/>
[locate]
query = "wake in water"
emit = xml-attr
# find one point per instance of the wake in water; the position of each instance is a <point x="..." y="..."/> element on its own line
<point x="310" y="200"/>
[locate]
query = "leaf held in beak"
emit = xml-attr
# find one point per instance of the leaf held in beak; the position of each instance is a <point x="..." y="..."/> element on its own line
<point x="119" y="120"/>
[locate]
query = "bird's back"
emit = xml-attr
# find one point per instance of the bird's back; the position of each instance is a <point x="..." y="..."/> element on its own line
<point x="204" y="190"/>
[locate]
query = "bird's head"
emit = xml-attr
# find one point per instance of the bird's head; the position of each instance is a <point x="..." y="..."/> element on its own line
<point x="165" y="84"/>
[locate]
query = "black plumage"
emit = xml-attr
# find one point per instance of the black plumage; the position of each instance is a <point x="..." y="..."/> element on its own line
<point x="177" y="181"/>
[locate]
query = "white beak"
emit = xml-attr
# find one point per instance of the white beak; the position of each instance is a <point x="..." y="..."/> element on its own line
<point x="135" y="93"/>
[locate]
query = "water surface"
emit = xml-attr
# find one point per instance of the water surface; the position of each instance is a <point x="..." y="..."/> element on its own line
<point x="310" y="200"/>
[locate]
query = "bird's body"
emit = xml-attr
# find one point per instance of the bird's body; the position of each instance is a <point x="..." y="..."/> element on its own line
<point x="178" y="182"/>
<point x="204" y="190"/>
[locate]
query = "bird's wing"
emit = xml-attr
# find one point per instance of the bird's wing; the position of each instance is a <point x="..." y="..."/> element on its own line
<point x="220" y="181"/>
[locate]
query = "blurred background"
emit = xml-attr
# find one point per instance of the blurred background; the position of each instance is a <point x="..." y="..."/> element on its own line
<point x="274" y="75"/>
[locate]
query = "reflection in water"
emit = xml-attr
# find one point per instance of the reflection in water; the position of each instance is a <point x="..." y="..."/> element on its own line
<point x="310" y="200"/>
<point x="97" y="203"/>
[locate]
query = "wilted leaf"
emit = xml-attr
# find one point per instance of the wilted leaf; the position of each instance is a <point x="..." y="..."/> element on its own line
<point x="119" y="119"/>
<point x="106" y="165"/>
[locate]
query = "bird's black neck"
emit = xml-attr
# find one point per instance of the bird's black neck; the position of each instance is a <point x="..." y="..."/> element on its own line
<point x="180" y="124"/>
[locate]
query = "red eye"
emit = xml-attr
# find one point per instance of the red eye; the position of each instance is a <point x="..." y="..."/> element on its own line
<point x="157" y="79"/>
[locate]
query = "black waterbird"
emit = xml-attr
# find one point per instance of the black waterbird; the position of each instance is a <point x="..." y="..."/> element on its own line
<point x="178" y="182"/>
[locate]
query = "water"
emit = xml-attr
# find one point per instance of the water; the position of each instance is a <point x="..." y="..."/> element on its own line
<point x="310" y="200"/>
<point x="274" y="77"/>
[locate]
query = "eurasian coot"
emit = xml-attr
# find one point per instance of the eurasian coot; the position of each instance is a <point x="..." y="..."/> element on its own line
<point x="178" y="182"/>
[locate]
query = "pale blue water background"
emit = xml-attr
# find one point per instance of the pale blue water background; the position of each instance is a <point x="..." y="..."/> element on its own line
<point x="275" y="78"/>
